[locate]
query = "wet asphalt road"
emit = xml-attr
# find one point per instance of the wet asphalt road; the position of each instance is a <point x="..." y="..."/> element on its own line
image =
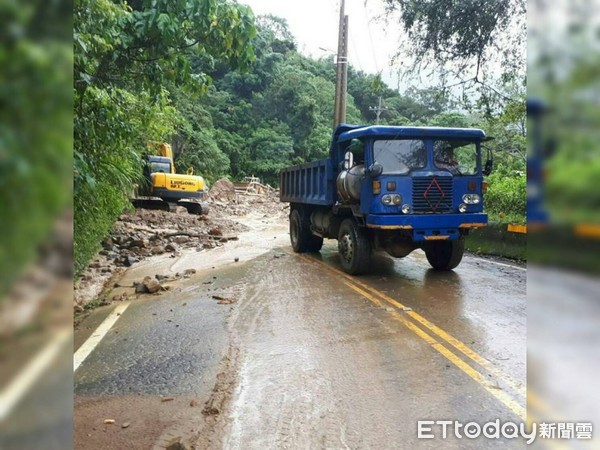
<point x="308" y="357"/>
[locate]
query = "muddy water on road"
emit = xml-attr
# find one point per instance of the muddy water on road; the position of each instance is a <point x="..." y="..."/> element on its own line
<point x="306" y="357"/>
<point x="323" y="367"/>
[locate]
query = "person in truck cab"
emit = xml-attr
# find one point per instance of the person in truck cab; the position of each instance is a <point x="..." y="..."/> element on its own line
<point x="444" y="159"/>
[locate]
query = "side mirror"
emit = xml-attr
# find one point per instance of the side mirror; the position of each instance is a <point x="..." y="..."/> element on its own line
<point x="348" y="161"/>
<point x="374" y="170"/>
<point x="489" y="165"/>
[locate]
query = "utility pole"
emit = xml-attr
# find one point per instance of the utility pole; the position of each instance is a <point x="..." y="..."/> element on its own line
<point x="378" y="110"/>
<point x="341" y="84"/>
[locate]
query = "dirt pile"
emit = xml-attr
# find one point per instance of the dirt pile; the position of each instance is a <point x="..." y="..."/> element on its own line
<point x="222" y="190"/>
<point x="146" y="233"/>
<point x="150" y="233"/>
<point x="266" y="205"/>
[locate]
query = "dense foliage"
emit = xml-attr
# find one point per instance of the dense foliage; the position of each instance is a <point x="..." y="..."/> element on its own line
<point x="35" y="129"/>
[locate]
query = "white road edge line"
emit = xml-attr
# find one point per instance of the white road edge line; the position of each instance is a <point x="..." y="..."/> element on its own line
<point x="25" y="379"/>
<point x="524" y="269"/>
<point x="88" y="346"/>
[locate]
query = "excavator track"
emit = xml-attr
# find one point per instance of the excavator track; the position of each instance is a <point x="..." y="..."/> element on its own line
<point x="158" y="204"/>
<point x="194" y="207"/>
<point x="144" y="203"/>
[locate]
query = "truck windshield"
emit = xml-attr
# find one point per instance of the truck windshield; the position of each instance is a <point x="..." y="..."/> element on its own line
<point x="399" y="156"/>
<point x="161" y="167"/>
<point x="457" y="157"/>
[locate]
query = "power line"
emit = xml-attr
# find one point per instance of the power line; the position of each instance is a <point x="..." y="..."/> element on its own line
<point x="371" y="37"/>
<point x="355" y="52"/>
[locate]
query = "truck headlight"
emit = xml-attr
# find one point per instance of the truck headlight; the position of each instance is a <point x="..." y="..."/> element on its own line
<point x="386" y="199"/>
<point x="471" y="199"/>
<point x="462" y="208"/>
<point x="391" y="199"/>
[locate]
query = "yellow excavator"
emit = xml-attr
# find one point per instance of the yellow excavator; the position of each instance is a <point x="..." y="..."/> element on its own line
<point x="163" y="188"/>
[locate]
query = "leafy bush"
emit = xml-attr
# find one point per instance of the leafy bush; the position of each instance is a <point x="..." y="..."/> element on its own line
<point x="506" y="197"/>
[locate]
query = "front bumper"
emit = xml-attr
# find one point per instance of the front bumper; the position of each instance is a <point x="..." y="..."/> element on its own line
<point x="425" y="227"/>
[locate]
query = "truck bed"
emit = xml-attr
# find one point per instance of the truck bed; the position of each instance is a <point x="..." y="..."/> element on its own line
<point x="310" y="183"/>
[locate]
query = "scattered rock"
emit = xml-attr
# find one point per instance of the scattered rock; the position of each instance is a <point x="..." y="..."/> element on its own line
<point x="171" y="247"/>
<point x="194" y="403"/>
<point x="189" y="271"/>
<point x="107" y="244"/>
<point x="151" y="284"/>
<point x="236" y="259"/>
<point x="224" y="300"/>
<point x="157" y="250"/>
<point x="182" y="239"/>
<point x="211" y="411"/>
<point x="139" y="243"/>
<point x="125" y="425"/>
<point x="216" y="231"/>
<point x="129" y="261"/>
<point x="167" y="399"/>
<point x="109" y="421"/>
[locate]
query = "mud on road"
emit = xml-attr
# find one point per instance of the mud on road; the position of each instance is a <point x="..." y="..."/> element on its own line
<point x="154" y="235"/>
<point x="279" y="350"/>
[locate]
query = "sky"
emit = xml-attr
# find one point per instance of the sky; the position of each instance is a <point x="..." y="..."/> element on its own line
<point x="314" y="23"/>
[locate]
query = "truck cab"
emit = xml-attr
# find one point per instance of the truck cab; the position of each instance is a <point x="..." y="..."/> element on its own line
<point x="390" y="188"/>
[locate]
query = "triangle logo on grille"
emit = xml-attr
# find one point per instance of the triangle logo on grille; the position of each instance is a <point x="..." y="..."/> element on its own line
<point x="434" y="187"/>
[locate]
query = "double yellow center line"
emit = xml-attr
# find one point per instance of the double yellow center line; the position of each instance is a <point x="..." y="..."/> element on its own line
<point x="433" y="335"/>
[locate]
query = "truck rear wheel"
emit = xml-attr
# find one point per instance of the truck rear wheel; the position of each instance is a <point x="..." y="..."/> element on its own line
<point x="445" y="255"/>
<point x="302" y="239"/>
<point x="354" y="248"/>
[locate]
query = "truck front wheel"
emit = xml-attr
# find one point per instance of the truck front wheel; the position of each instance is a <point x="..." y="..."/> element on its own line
<point x="302" y="239"/>
<point x="445" y="255"/>
<point x="354" y="248"/>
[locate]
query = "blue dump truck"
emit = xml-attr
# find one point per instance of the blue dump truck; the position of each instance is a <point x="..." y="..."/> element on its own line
<point x="390" y="188"/>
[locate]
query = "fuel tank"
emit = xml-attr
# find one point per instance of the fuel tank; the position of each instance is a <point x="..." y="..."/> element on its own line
<point x="348" y="183"/>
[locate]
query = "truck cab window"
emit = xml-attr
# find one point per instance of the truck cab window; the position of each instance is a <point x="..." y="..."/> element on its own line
<point x="457" y="157"/>
<point x="399" y="156"/>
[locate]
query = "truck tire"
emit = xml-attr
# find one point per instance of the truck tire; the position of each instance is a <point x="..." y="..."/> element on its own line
<point x="300" y="236"/>
<point x="445" y="255"/>
<point x="354" y="248"/>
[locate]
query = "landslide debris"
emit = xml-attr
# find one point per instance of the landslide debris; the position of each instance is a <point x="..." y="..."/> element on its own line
<point x="143" y="234"/>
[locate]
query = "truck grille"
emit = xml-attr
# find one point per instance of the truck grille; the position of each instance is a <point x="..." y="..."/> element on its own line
<point x="432" y="194"/>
